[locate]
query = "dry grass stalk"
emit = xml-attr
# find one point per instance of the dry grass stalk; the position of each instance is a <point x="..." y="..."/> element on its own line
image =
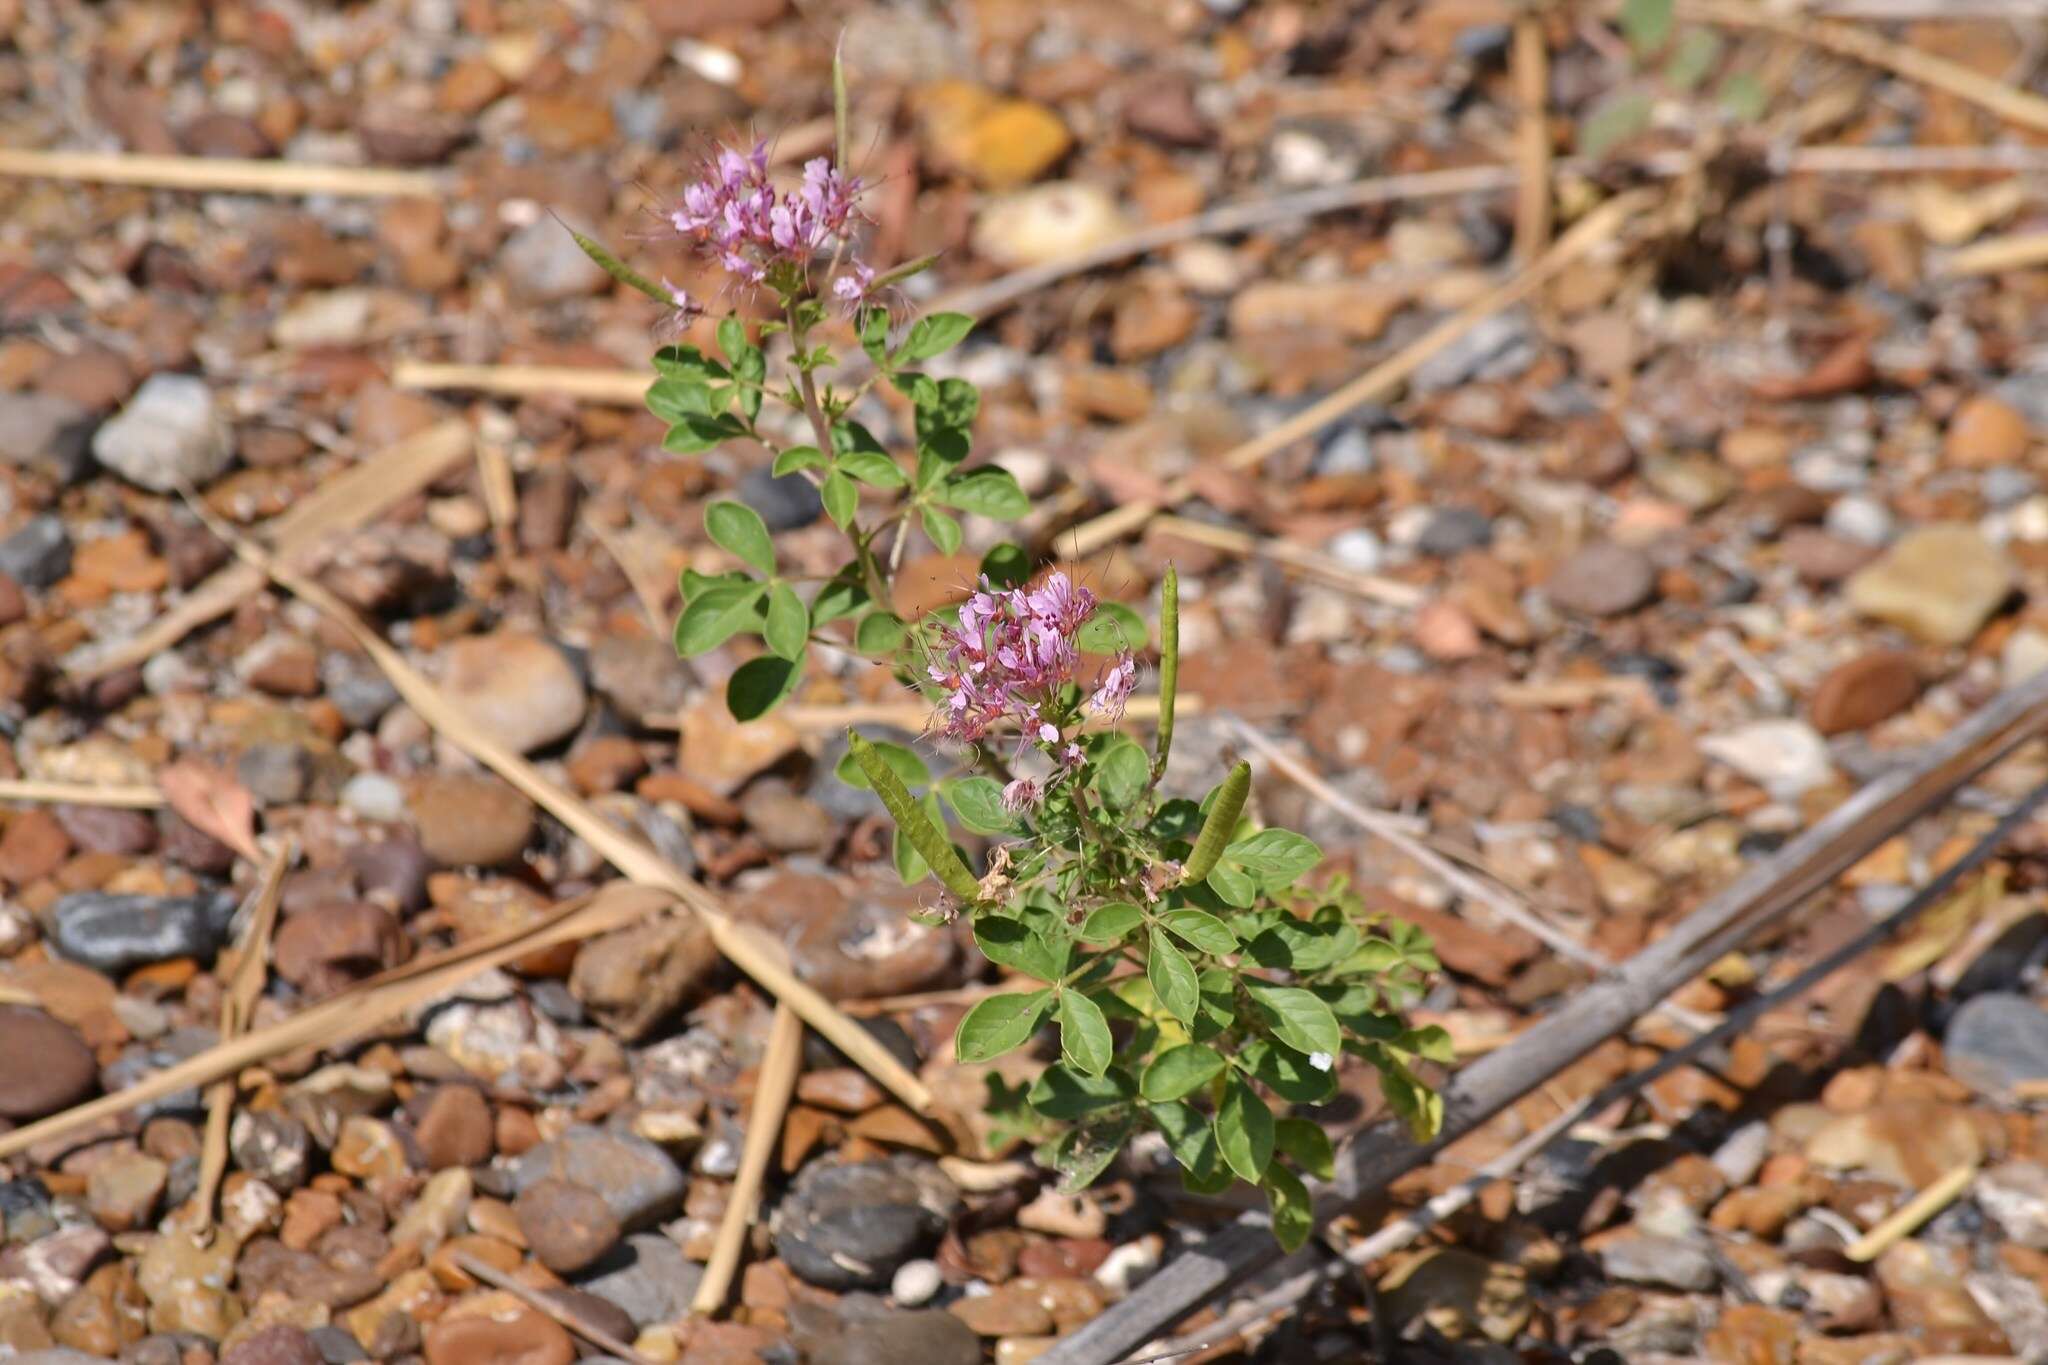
<point x="351" y="499"/>
<point x="1590" y="233"/>
<point x="754" y="951"/>
<point x="1907" y="1218"/>
<point x="348" y="1015"/>
<point x="237" y="1004"/>
<point x="1995" y="255"/>
<point x="1308" y="563"/>
<point x="81" y="793"/>
<point x="225" y="175"/>
<point x="621" y="388"/>
<point x="540" y="1303"/>
<point x="1530" y="61"/>
<point x="774" y="1084"/>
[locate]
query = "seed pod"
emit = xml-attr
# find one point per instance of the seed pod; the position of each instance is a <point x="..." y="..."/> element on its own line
<point x="1221" y="824"/>
<point x="1169" y="666"/>
<point x="928" y="839"/>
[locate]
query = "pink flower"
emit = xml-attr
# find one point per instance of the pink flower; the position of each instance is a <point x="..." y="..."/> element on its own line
<point x="1009" y="657"/>
<point x="1020" y="796"/>
<point x="734" y="213"/>
<point x="1114" y="688"/>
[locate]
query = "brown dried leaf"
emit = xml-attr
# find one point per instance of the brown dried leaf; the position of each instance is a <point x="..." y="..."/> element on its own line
<point x="214" y="803"/>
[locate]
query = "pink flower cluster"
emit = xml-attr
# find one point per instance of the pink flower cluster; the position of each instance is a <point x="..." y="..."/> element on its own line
<point x="1007" y="660"/>
<point x="733" y="213"/>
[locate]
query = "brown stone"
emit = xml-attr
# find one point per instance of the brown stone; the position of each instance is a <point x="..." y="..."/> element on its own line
<point x="322" y="950"/>
<point x="606" y="764"/>
<point x="569" y="1226"/>
<point x="1986" y="431"/>
<point x="518" y="1338"/>
<point x="44" y="1066"/>
<point x="455" y="1127"/>
<point x="1868" y="689"/>
<point x="33" y="847"/>
<point x="633" y="978"/>
<point x="471" y="820"/>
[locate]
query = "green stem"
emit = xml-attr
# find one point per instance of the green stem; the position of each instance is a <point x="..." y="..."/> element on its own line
<point x="871" y="571"/>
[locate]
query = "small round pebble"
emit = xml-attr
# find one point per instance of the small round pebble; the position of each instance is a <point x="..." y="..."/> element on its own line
<point x="914" y="1283"/>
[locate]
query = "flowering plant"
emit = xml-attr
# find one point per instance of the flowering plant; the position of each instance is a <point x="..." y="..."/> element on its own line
<point x="1198" y="989"/>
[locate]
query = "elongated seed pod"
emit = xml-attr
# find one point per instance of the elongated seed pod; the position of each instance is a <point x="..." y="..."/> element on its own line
<point x="928" y="839"/>
<point x="1169" y="666"/>
<point x="619" y="270"/>
<point x="1221" y="824"/>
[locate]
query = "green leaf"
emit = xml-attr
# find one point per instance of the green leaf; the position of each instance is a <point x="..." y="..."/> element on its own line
<point x="1693" y="59"/>
<point x="1432" y="1043"/>
<point x="1288" y="1073"/>
<point x="1172" y="978"/>
<point x="1419" y="1106"/>
<point x="695" y="432"/>
<point x="1226" y="805"/>
<point x="1613" y="121"/>
<point x="673" y="400"/>
<point x="760" y="685"/>
<point x="998" y="1024"/>
<point x="619" y="270"/>
<point x="750" y="371"/>
<point x="1244" y="1131"/>
<point x="874" y="336"/>
<point x="905" y="763"/>
<point x="1109" y="923"/>
<point x="1293" y="1214"/>
<point x="925" y="836"/>
<point x="732" y="337"/>
<point x="1006" y="566"/>
<point x="1202" y="929"/>
<point x="910" y="863"/>
<point x="687" y="362"/>
<point x="1298" y="1017"/>
<point x="1181" y="1071"/>
<point x="1029" y="948"/>
<point x="840" y="598"/>
<point x="716" y="614"/>
<point x="1307" y="1146"/>
<point x="1113" y="628"/>
<point x="1189" y="1137"/>
<point x="841" y="499"/>
<point x="978" y="801"/>
<point x="1744" y="97"/>
<point x="1176" y="819"/>
<point x="1062" y="1092"/>
<point x="944" y="531"/>
<point x="1169" y="666"/>
<point x="1234" y="886"/>
<point x="930" y="336"/>
<point x="1084" y="1034"/>
<point x="989" y="490"/>
<point x="1299" y="947"/>
<point x="798" y="457"/>
<point x="1219" y="997"/>
<point x="1646" y="24"/>
<point x="872" y="468"/>
<point x="878" y="633"/>
<point x="739" y="528"/>
<point x="1122" y="774"/>
<point x="788" y="627"/>
<point x="1083" y="1154"/>
<point x="1277" y="857"/>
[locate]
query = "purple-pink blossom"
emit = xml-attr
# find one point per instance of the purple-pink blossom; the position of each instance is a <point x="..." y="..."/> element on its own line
<point x="1006" y="662"/>
<point x="733" y="213"/>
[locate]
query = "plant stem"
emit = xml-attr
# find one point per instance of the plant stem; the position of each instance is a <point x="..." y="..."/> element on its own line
<point x="871" y="571"/>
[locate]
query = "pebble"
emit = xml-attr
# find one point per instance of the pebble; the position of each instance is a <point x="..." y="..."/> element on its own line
<point x="373" y="796"/>
<point x="2015" y="1195"/>
<point x="785" y="821"/>
<point x="108" y="829"/>
<point x="518" y="687"/>
<point x="1940" y="583"/>
<point x="633" y="978"/>
<point x="1603" y="579"/>
<point x="647" y="1276"/>
<point x="1986" y="432"/>
<point x="115" y="933"/>
<point x="324" y="950"/>
<point x="1665" y="1262"/>
<point x="921" y="1335"/>
<point x="454" y="1127"/>
<point x="123" y="1191"/>
<point x="44" y="1065"/>
<point x="519" y="1337"/>
<point x="1864" y="691"/>
<point x="640" y="678"/>
<point x="568" y="1226"/>
<point x="850" y="1225"/>
<point x="633" y="1176"/>
<point x="1784" y="757"/>
<point x="1454" y="530"/>
<point x="279" y="1345"/>
<point x="171" y="433"/>
<point x="38" y="554"/>
<point x="722" y="753"/>
<point x="789" y="503"/>
<point x="1860" y="520"/>
<point x="46" y="431"/>
<point x="915" y="1283"/>
<point x="275" y="774"/>
<point x="1996" y="1040"/>
<point x="541" y="263"/>
<point x="1047" y="222"/>
<point x="470" y="820"/>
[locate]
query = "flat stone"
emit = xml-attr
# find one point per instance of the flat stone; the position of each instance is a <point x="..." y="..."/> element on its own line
<point x="46" y="431"/>
<point x="1995" y="1041"/>
<point x="470" y="820"/>
<point x="635" y="1177"/>
<point x="114" y="933"/>
<point x="568" y="1226"/>
<point x="519" y="687"/>
<point x="170" y="433"/>
<point x="44" y="1065"/>
<point x="850" y="1225"/>
<point x="1940" y="583"/>
<point x="642" y="679"/>
<point x="38" y="554"/>
<point x="1784" y="757"/>
<point x="633" y="978"/>
<point x="1864" y="691"/>
<point x="722" y="753"/>
<point x="541" y="263"/>
<point x="1665" y="1262"/>
<point x="647" y="1276"/>
<point x="923" y="1336"/>
<point x="1603" y="579"/>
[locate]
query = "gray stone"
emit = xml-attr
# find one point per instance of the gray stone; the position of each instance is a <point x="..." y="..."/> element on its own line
<point x="115" y="933"/>
<point x="1666" y="1262"/>
<point x="641" y="679"/>
<point x="850" y="1225"/>
<point x="358" y="688"/>
<point x="926" y="1336"/>
<point x="276" y="774"/>
<point x="635" y="1177"/>
<point x="46" y="431"/>
<point x="1995" y="1041"/>
<point x="1500" y="348"/>
<point x="38" y="554"/>
<point x="785" y="504"/>
<point x="170" y="433"/>
<point x="647" y="1276"/>
<point x="541" y="263"/>
<point x="1454" y="530"/>
<point x="1603" y="579"/>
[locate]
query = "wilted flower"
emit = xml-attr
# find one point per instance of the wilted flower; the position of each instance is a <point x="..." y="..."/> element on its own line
<point x="733" y="213"/>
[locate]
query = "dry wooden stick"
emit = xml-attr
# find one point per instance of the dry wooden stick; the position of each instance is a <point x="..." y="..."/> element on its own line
<point x="237" y="1004"/>
<point x="1846" y="40"/>
<point x="621" y="388"/>
<point x="1765" y="894"/>
<point x="1907" y="1218"/>
<point x="1309" y="563"/>
<point x="348" y="500"/>
<point x="1995" y="255"/>
<point x="223" y="174"/>
<point x="80" y="793"/>
<point x="754" y="951"/>
<point x="1593" y="231"/>
<point x="351" y="1013"/>
<point x="1530" y="63"/>
<point x="774" y="1084"/>
<point x="541" y="1303"/>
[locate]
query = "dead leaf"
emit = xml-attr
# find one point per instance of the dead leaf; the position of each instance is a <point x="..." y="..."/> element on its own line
<point x="213" y="803"/>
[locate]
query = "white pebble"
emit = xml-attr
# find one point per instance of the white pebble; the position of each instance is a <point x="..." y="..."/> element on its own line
<point x="1358" y="549"/>
<point x="915" y="1283"/>
<point x="1130" y="1264"/>
<point x="374" y="797"/>
<point x="1862" y="519"/>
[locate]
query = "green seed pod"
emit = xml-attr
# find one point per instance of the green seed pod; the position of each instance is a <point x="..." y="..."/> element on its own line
<point x="1221" y="824"/>
<point x="619" y="270"/>
<point x="928" y="839"/>
<point x="1169" y="666"/>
